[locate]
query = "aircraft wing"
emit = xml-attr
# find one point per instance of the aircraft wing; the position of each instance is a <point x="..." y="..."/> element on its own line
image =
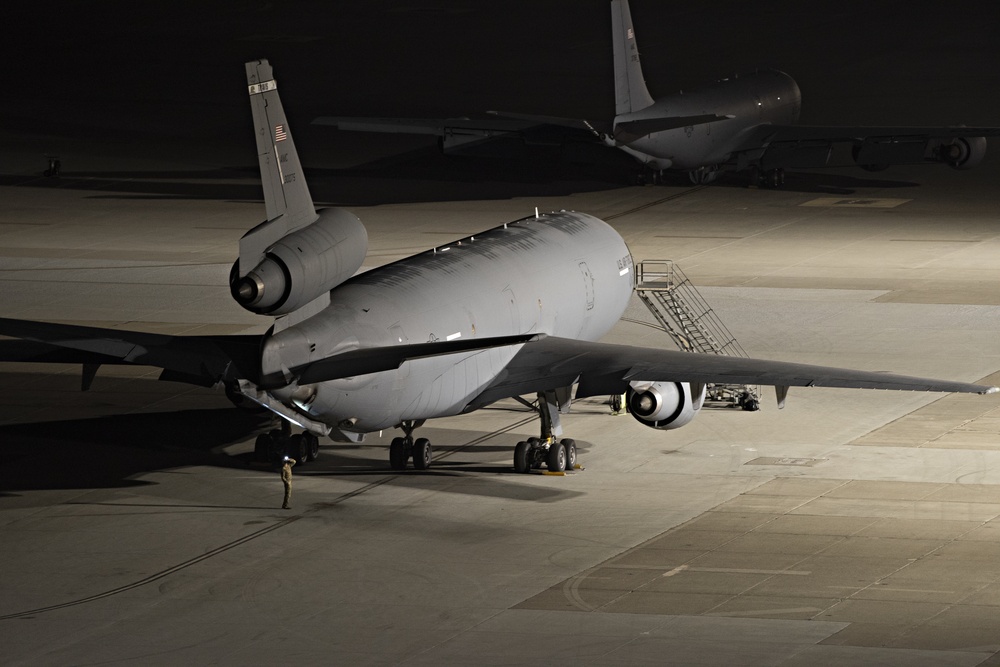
<point x="431" y="126"/>
<point x="200" y="360"/>
<point x="766" y="134"/>
<point x="607" y="369"/>
<point x="806" y="146"/>
<point x="206" y="360"/>
<point x="628" y="131"/>
<point x="456" y="132"/>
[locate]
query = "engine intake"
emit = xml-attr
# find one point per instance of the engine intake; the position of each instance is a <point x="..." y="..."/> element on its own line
<point x="303" y="265"/>
<point x="665" y="405"/>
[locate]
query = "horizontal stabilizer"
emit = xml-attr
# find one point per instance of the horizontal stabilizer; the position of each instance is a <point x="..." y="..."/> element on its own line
<point x="375" y="359"/>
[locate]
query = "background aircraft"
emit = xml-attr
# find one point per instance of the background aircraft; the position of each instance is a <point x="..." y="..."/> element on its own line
<point x="744" y="123"/>
<point x="514" y="310"/>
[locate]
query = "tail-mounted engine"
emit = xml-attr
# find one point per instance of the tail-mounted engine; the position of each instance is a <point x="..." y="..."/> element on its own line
<point x="301" y="266"/>
<point x="665" y="405"/>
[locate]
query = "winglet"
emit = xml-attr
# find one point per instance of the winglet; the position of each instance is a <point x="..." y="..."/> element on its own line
<point x="287" y="200"/>
<point x="630" y="87"/>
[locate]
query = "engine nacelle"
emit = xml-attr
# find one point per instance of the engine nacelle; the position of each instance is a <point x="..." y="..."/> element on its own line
<point x="303" y="265"/>
<point x="665" y="405"/>
<point x="963" y="153"/>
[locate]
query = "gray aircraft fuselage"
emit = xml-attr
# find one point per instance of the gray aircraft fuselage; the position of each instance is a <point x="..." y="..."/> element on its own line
<point x="766" y="96"/>
<point x="562" y="274"/>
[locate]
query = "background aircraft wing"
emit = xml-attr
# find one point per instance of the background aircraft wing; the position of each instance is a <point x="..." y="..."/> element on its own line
<point x="432" y="126"/>
<point x="606" y="369"/>
<point x="629" y="131"/>
<point x="805" y="146"/>
<point x="456" y="132"/>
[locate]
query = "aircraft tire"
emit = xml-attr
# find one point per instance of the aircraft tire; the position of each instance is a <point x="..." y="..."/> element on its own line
<point x="533" y="444"/>
<point x="522" y="463"/>
<point x="312" y="446"/>
<point x="397" y="454"/>
<point x="569" y="444"/>
<point x="297" y="448"/>
<point x="422" y="454"/>
<point x="262" y="447"/>
<point x="555" y="459"/>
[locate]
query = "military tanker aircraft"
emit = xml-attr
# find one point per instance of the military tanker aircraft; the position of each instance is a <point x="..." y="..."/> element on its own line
<point x="515" y="310"/>
<point x="742" y="123"/>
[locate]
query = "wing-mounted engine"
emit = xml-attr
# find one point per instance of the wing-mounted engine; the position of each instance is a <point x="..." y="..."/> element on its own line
<point x="961" y="153"/>
<point x="877" y="153"/>
<point x="665" y="405"/>
<point x="303" y="265"/>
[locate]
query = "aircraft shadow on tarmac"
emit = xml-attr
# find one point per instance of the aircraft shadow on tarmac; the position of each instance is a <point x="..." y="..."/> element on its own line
<point x="426" y="175"/>
<point x="110" y="451"/>
<point x="105" y="452"/>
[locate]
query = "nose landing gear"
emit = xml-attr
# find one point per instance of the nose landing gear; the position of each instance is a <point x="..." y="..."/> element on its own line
<point x="402" y="449"/>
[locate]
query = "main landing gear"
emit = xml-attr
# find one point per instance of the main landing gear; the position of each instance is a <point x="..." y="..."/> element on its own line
<point x="769" y="178"/>
<point x="402" y="449"/>
<point x="278" y="443"/>
<point x="557" y="455"/>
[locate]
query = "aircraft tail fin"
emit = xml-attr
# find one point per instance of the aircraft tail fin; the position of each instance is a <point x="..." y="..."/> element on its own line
<point x="630" y="87"/>
<point x="287" y="200"/>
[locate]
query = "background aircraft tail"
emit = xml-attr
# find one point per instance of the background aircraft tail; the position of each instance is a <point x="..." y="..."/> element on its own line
<point x="630" y="88"/>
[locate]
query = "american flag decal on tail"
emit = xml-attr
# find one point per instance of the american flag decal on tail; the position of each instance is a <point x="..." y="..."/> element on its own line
<point x="279" y="133"/>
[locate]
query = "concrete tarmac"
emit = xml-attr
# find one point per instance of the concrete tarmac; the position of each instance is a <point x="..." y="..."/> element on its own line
<point x="852" y="527"/>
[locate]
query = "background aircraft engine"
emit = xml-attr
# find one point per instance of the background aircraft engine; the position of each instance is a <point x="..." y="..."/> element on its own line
<point x="964" y="152"/>
<point x="303" y="265"/>
<point x="665" y="405"/>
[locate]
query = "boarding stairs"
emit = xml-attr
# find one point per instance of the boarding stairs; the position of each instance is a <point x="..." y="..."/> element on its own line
<point x="682" y="312"/>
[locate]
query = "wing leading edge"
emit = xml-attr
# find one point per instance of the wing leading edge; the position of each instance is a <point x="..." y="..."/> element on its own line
<point x="199" y="360"/>
<point x="543" y="363"/>
<point x="603" y="368"/>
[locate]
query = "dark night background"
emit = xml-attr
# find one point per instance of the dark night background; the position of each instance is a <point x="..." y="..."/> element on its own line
<point x="119" y="78"/>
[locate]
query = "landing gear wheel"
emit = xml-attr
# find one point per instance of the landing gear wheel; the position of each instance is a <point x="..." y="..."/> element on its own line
<point x="312" y="446"/>
<point x="774" y="178"/>
<point x="397" y="454"/>
<point x="297" y="448"/>
<point x="522" y="460"/>
<point x="262" y="446"/>
<point x="422" y="452"/>
<point x="534" y="461"/>
<point x="570" y="446"/>
<point x="555" y="459"/>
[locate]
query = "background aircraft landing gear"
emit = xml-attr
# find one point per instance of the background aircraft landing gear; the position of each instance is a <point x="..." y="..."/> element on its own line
<point x="557" y="455"/>
<point x="703" y="175"/>
<point x="771" y="178"/>
<point x="401" y="449"/>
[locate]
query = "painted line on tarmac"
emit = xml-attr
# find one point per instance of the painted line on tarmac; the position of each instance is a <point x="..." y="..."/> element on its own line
<point x="243" y="540"/>
<point x="651" y="204"/>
